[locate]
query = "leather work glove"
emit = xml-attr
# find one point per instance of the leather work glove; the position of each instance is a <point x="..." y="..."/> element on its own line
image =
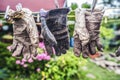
<point x="25" y="35"/>
<point x="91" y="26"/>
<point x="56" y="20"/>
<point x="48" y="37"/>
<point x="81" y="35"/>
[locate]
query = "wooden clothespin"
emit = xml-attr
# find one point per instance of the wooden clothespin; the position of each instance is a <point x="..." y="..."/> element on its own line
<point x="56" y="3"/>
<point x="6" y="12"/>
<point x="93" y="5"/>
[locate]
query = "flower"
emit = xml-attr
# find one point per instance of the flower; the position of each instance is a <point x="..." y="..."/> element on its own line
<point x="30" y="60"/>
<point x="25" y="65"/>
<point x="22" y="63"/>
<point x="39" y="57"/>
<point x="47" y="58"/>
<point x="38" y="69"/>
<point x="18" y="61"/>
<point x="43" y="56"/>
<point x="41" y="45"/>
<point x="24" y="60"/>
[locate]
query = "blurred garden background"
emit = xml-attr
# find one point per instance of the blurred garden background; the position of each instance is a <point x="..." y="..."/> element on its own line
<point x="67" y="67"/>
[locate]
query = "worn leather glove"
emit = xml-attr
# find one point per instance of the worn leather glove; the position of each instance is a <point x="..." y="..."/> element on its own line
<point x="93" y="25"/>
<point x="118" y="52"/>
<point x="56" y="22"/>
<point x="86" y="32"/>
<point x="48" y="37"/>
<point x="81" y="35"/>
<point x="25" y="36"/>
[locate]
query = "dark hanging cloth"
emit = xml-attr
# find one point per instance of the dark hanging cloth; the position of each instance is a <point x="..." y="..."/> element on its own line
<point x="56" y="20"/>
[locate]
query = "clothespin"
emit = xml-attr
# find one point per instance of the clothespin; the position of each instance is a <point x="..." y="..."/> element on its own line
<point x="64" y="5"/>
<point x="38" y="18"/>
<point x="19" y="7"/>
<point x="93" y="5"/>
<point x="56" y="3"/>
<point x="6" y="12"/>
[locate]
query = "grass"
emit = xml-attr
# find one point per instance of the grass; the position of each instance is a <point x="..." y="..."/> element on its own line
<point x="101" y="73"/>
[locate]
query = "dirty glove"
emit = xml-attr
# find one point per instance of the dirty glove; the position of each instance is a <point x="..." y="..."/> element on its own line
<point x="56" y="21"/>
<point x="48" y="37"/>
<point x="25" y="36"/>
<point x="93" y="26"/>
<point x="81" y="35"/>
<point x="86" y="32"/>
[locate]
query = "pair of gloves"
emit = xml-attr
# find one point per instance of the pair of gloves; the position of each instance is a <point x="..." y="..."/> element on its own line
<point x="55" y="31"/>
<point x="86" y="32"/>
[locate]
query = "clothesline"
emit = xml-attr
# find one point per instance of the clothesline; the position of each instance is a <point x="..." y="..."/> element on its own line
<point x="70" y="10"/>
<point x="73" y="22"/>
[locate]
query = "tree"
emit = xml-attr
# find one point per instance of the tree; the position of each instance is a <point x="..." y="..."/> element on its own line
<point x="86" y="5"/>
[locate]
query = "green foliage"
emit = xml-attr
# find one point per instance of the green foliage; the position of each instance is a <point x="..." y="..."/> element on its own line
<point x="106" y="35"/>
<point x="71" y="17"/>
<point x="74" y="6"/>
<point x="3" y="74"/>
<point x="86" y="5"/>
<point x="7" y="37"/>
<point x="71" y="29"/>
<point x="64" y="67"/>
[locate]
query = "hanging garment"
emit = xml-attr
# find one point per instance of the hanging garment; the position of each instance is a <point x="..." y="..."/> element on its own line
<point x="25" y="36"/>
<point x="92" y="24"/>
<point x="56" y="20"/>
<point x="46" y="33"/>
<point x="118" y="52"/>
<point x="81" y="35"/>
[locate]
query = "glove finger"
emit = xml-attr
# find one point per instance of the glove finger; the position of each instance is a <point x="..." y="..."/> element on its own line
<point x="46" y="33"/>
<point x="62" y="48"/>
<point x="48" y="48"/>
<point x="77" y="47"/>
<point x="66" y="44"/>
<point x="92" y="48"/>
<point x="57" y="50"/>
<point x="63" y="45"/>
<point x="85" y="51"/>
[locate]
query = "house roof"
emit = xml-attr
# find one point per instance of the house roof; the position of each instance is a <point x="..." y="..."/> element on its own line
<point x="34" y="5"/>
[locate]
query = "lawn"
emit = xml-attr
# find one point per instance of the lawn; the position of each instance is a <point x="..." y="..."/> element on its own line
<point x="101" y="73"/>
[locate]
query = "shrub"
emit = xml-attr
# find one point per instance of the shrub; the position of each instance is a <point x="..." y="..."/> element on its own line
<point x="63" y="67"/>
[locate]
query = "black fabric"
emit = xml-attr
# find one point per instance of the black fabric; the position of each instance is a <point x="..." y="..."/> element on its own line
<point x="56" y="20"/>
